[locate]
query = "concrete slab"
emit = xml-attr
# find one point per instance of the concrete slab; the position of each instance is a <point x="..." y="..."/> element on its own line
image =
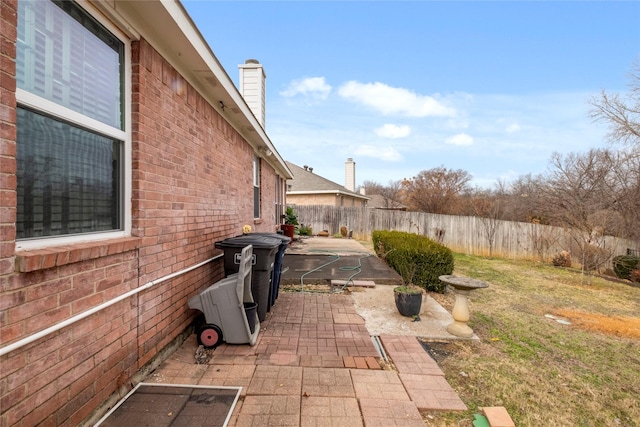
<point x="318" y="260"/>
<point x="377" y="307"/>
<point x="328" y="245"/>
<point x="321" y="269"/>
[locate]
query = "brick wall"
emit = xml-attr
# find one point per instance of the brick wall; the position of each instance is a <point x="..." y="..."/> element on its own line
<point x="59" y="379"/>
<point x="8" y="36"/>
<point x="191" y="185"/>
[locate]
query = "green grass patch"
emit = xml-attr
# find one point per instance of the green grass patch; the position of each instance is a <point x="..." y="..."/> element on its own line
<point x="542" y="371"/>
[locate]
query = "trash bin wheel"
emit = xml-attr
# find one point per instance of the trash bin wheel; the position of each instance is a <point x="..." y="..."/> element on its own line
<point x="210" y="336"/>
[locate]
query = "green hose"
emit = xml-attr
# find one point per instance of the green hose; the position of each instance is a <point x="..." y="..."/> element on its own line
<point x="335" y="257"/>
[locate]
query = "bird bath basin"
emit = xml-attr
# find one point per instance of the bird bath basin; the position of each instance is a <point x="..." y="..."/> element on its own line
<point x="462" y="286"/>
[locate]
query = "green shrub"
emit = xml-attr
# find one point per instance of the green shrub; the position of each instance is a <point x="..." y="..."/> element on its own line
<point x="624" y="264"/>
<point x="418" y="259"/>
<point x="305" y="230"/>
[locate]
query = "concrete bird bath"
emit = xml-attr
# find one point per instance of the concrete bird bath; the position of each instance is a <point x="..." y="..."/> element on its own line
<point x="463" y="286"/>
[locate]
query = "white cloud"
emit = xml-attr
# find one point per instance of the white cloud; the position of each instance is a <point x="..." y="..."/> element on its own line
<point x="391" y="100"/>
<point x="314" y="87"/>
<point x="461" y="139"/>
<point x="393" y="131"/>
<point x="389" y="154"/>
<point x="512" y="128"/>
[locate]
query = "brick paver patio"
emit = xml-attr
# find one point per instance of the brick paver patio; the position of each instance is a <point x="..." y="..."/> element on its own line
<point x="314" y="365"/>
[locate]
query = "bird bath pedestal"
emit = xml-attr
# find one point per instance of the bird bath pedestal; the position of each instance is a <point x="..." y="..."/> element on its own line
<point x="463" y="286"/>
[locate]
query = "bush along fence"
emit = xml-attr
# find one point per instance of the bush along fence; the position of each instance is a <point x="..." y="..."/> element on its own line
<point x="627" y="267"/>
<point x="471" y="235"/>
<point x="419" y="260"/>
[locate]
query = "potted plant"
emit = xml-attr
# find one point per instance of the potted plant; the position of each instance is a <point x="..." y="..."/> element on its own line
<point x="290" y="222"/>
<point x="408" y="297"/>
<point x="408" y="300"/>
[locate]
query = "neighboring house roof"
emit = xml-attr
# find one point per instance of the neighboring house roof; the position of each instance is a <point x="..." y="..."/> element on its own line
<point x="306" y="182"/>
<point x="378" y="201"/>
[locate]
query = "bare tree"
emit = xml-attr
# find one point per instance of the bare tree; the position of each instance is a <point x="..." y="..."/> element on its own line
<point x="489" y="206"/>
<point x="392" y="195"/>
<point x="622" y="113"/>
<point x="436" y="190"/>
<point x="580" y="194"/>
<point x="524" y="200"/>
<point x="372" y="187"/>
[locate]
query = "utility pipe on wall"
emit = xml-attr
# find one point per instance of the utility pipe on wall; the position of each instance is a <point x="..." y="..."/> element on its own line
<point x="58" y="326"/>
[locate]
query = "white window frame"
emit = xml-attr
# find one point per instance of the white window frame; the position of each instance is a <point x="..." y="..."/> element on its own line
<point x="52" y="109"/>
<point x="256" y="187"/>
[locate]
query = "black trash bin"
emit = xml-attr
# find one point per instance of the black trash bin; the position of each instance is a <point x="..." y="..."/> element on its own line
<point x="277" y="266"/>
<point x="264" y="251"/>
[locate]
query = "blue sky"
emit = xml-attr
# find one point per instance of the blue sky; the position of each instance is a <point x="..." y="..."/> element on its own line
<point x="493" y="88"/>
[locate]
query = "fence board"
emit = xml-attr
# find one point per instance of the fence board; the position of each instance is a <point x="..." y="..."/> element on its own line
<point x="462" y="234"/>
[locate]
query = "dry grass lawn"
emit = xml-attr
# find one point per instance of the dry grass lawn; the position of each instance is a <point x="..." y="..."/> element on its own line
<point x="546" y="373"/>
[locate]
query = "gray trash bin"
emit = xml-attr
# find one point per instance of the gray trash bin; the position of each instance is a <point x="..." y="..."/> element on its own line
<point x="277" y="266"/>
<point x="265" y="249"/>
<point x="229" y="309"/>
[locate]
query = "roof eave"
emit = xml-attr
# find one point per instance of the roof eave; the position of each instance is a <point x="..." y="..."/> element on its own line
<point x="336" y="192"/>
<point x="166" y="25"/>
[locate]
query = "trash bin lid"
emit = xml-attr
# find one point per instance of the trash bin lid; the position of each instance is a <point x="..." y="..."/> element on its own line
<point x="284" y="239"/>
<point x="260" y="242"/>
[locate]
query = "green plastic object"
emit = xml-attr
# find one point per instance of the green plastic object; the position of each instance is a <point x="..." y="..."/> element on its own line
<point x="480" y="421"/>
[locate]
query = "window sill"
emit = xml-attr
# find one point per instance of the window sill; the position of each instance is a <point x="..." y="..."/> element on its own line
<point x="41" y="259"/>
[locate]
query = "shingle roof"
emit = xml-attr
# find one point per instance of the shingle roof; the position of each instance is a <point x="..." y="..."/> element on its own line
<point x="306" y="182"/>
<point x="380" y="202"/>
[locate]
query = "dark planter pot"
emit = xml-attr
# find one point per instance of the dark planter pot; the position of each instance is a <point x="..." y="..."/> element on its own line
<point x="289" y="230"/>
<point x="408" y="304"/>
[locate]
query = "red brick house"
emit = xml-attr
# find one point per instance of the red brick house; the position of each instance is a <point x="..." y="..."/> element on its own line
<point x="126" y="151"/>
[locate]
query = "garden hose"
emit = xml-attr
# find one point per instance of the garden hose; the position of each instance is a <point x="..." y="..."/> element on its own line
<point x="335" y="257"/>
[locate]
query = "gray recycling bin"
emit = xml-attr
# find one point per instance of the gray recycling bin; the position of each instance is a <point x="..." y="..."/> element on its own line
<point x="264" y="253"/>
<point x="277" y="266"/>
<point x="229" y="309"/>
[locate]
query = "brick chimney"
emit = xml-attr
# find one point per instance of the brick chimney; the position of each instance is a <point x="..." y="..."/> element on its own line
<point x="253" y="89"/>
<point x="350" y="174"/>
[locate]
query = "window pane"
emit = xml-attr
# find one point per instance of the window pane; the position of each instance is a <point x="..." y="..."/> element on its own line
<point x="67" y="57"/>
<point x="256" y="202"/>
<point x="68" y="178"/>
<point x="256" y="187"/>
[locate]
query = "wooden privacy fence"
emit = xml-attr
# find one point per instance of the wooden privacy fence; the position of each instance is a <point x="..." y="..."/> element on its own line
<point x="463" y="234"/>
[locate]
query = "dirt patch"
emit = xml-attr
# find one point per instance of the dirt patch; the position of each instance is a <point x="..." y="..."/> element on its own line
<point x="625" y="327"/>
<point x="438" y="351"/>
